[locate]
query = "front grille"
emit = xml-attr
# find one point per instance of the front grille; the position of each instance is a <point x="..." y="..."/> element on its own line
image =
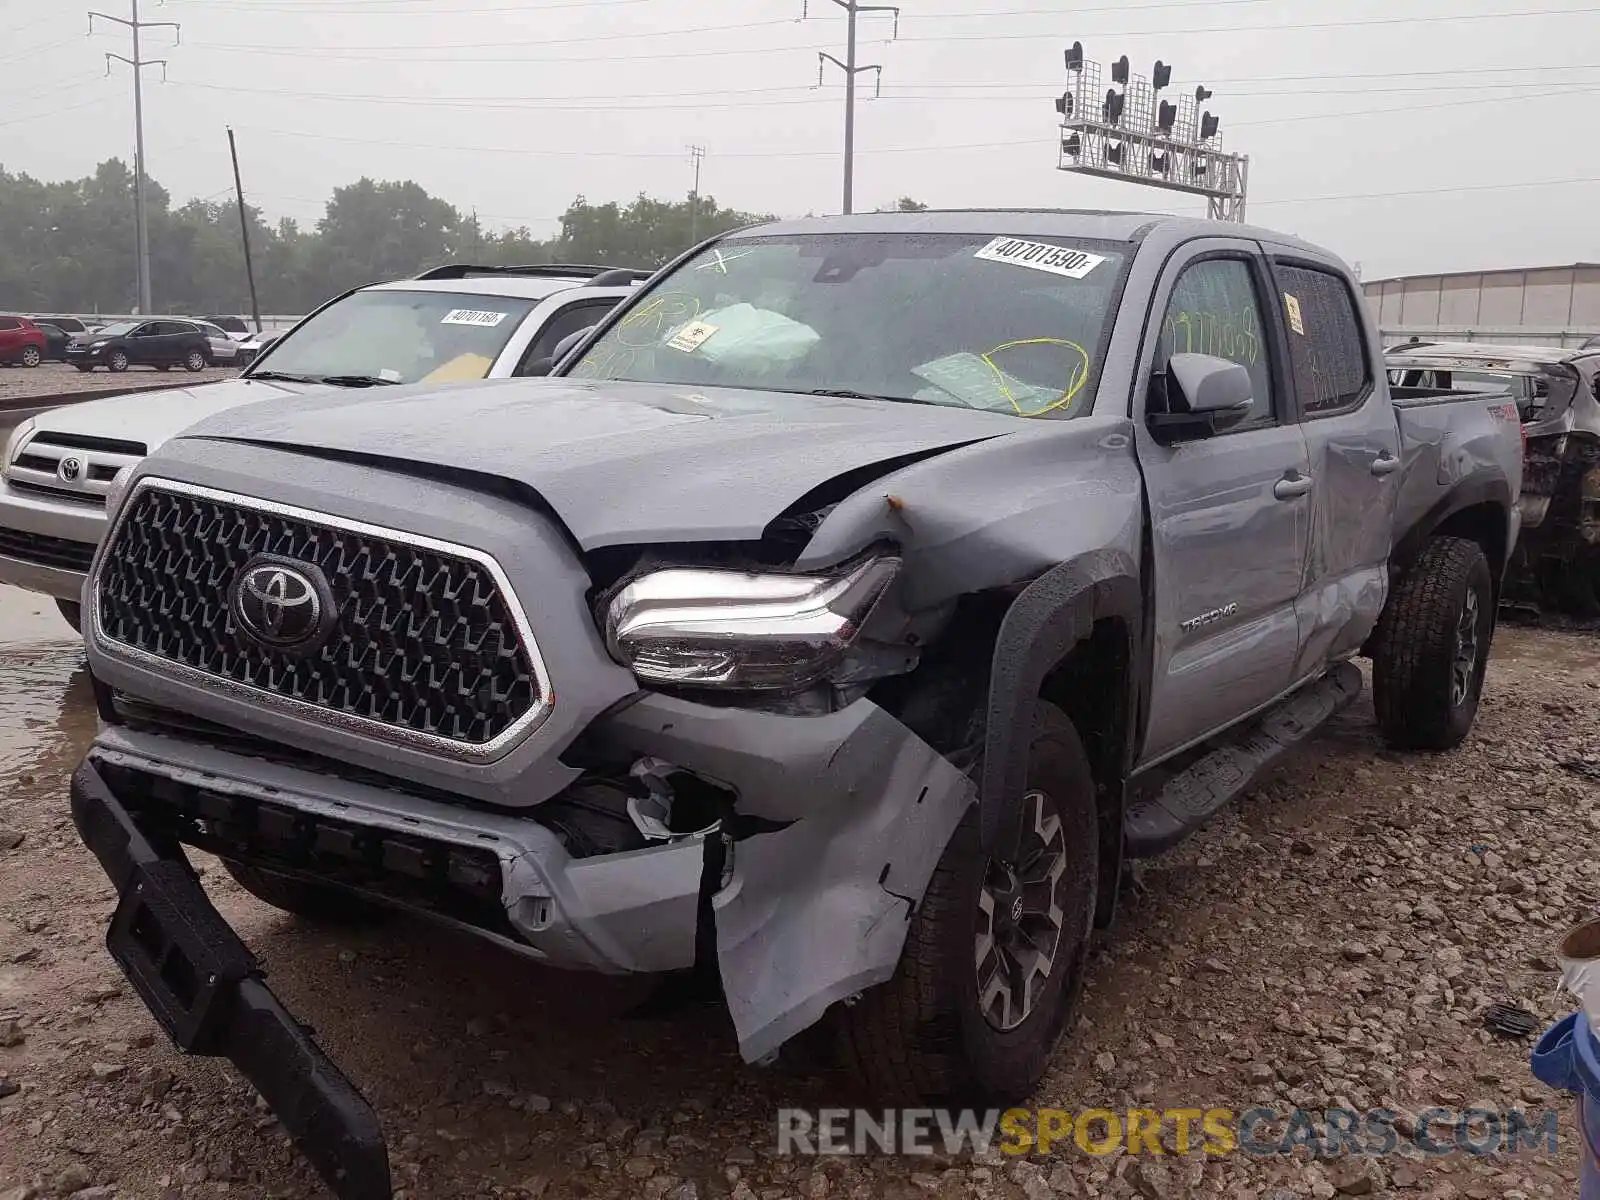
<point x="423" y="640"/>
<point x="459" y="882"/>
<point x="46" y="551"/>
<point x="37" y="466"/>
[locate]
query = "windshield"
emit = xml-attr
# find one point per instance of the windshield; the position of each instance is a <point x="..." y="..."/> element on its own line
<point x="117" y="329"/>
<point x="965" y="320"/>
<point x="399" y="337"/>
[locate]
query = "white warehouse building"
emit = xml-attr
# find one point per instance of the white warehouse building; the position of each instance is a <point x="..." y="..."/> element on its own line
<point x="1546" y="306"/>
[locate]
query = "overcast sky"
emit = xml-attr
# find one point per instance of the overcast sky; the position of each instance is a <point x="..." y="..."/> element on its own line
<point x="1386" y="131"/>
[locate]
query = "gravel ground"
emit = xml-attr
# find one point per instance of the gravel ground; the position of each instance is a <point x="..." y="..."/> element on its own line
<point x="1331" y="940"/>
<point x="48" y="379"/>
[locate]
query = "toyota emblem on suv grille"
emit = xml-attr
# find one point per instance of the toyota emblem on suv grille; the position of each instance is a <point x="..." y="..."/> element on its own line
<point x="282" y="604"/>
<point x="69" y="469"/>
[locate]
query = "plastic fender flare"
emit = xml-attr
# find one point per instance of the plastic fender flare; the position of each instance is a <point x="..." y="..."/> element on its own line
<point x="1051" y="616"/>
<point x="1480" y="487"/>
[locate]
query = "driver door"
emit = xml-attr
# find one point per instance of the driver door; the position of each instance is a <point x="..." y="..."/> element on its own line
<point x="1229" y="514"/>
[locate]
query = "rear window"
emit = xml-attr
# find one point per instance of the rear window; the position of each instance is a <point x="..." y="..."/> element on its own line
<point x="1327" y="354"/>
<point x="10" y="323"/>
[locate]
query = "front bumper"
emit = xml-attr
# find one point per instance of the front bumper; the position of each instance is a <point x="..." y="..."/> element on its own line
<point x="85" y="356"/>
<point x="46" y="544"/>
<point x="207" y="991"/>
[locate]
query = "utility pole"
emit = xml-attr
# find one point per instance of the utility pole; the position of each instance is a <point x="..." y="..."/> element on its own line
<point x="696" y="155"/>
<point x="138" y="63"/>
<point x="851" y="69"/>
<point x="244" y="231"/>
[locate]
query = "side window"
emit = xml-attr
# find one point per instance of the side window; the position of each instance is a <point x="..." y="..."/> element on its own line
<point x="1327" y="354"/>
<point x="10" y="323"/>
<point x="1214" y="310"/>
<point x="569" y="320"/>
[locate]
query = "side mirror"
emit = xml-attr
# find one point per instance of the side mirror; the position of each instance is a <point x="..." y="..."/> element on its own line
<point x="565" y="345"/>
<point x="1198" y="396"/>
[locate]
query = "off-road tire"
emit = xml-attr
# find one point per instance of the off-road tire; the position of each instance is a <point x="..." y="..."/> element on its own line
<point x="312" y="901"/>
<point x="194" y="361"/>
<point x="1416" y="643"/>
<point x="72" y="613"/>
<point x="117" y="361"/>
<point x="922" y="1036"/>
<point x="32" y="356"/>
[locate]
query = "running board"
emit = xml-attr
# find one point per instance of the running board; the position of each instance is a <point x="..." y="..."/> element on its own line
<point x="1157" y="823"/>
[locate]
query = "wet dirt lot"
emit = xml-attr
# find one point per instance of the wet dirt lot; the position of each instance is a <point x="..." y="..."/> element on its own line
<point x="19" y="383"/>
<point x="1331" y="941"/>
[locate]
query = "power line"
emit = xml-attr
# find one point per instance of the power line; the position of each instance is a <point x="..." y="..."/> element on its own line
<point x="1436" y="191"/>
<point x="648" y="102"/>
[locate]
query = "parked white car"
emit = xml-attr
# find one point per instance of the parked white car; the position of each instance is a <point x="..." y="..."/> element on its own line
<point x="453" y="323"/>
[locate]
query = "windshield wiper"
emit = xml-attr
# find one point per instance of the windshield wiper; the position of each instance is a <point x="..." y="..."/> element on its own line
<point x="848" y="394"/>
<point x="358" y="381"/>
<point x="284" y="376"/>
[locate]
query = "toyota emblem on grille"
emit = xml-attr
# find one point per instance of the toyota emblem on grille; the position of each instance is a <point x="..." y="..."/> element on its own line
<point x="282" y="604"/>
<point x="69" y="469"/>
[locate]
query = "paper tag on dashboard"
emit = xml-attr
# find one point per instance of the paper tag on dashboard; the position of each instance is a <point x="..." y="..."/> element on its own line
<point x="692" y="336"/>
<point x="1041" y="256"/>
<point x="473" y="316"/>
<point x="1291" y="305"/>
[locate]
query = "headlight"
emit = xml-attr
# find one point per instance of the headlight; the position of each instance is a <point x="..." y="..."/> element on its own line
<point x="733" y="629"/>
<point x="14" y="443"/>
<point x="97" y="345"/>
<point x="116" y="490"/>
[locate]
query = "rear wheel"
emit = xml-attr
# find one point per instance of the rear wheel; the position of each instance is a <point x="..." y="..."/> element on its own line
<point x="301" y="898"/>
<point x="31" y="356"/>
<point x="194" y="361"/>
<point x="994" y="958"/>
<point x="118" y="361"/>
<point x="1432" y="646"/>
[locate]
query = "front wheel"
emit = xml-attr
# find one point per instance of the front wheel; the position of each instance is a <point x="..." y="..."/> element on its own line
<point x="1432" y="646"/>
<point x="118" y="361"/>
<point x="995" y="954"/>
<point x="194" y="361"/>
<point x="31" y="356"/>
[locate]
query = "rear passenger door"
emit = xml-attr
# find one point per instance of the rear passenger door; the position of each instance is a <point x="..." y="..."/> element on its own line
<point x="1228" y="513"/>
<point x="1353" y="442"/>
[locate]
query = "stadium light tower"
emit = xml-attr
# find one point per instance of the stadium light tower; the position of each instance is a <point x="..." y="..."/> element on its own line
<point x="1129" y="132"/>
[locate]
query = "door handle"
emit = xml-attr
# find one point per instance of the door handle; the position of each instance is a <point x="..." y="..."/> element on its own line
<point x="1385" y="464"/>
<point x="1291" y="486"/>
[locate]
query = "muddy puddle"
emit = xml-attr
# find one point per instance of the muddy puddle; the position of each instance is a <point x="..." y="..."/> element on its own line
<point x="46" y="707"/>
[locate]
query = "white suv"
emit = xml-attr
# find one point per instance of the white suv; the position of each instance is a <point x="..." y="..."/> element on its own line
<point x="455" y="322"/>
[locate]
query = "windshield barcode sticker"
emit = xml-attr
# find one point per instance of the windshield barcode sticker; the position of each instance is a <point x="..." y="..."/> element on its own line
<point x="1041" y="256"/>
<point x="473" y="316"/>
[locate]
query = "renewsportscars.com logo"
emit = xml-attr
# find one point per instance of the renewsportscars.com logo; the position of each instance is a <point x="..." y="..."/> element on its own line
<point x="1329" y="1132"/>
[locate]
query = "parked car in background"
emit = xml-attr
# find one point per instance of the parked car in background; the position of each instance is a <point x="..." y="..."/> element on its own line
<point x="163" y="344"/>
<point x="1557" y="562"/>
<point x="235" y="327"/>
<point x="224" y="350"/>
<point x="840" y="619"/>
<point x="56" y="340"/>
<point x="67" y="325"/>
<point x="22" y="343"/>
<point x="455" y="322"/>
<point x="253" y="346"/>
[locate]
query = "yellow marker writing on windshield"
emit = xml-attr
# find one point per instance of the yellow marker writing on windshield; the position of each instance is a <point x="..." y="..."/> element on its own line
<point x="1075" y="379"/>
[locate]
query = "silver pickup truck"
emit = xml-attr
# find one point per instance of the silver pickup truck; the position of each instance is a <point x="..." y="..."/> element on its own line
<point x="856" y="601"/>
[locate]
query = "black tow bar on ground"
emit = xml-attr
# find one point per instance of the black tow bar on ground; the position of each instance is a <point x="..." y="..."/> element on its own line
<point x="205" y="988"/>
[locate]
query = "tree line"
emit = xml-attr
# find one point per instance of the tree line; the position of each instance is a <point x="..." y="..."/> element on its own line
<point x="68" y="246"/>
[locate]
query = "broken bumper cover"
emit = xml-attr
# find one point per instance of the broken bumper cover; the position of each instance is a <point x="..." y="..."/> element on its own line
<point x="858" y="810"/>
<point x="205" y="988"/>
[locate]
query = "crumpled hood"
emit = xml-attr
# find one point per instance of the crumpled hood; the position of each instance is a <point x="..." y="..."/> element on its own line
<point x="620" y="462"/>
<point x="153" y="417"/>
